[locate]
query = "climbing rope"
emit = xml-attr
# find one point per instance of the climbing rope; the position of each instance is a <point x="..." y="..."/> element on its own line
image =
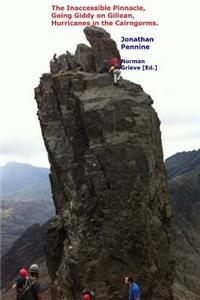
<point x="114" y="111"/>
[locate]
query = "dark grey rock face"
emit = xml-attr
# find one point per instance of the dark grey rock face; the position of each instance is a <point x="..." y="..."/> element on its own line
<point x="109" y="187"/>
<point x="84" y="57"/>
<point x="103" y="47"/>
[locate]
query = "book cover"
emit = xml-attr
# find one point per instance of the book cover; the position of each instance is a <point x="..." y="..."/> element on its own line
<point x="63" y="107"/>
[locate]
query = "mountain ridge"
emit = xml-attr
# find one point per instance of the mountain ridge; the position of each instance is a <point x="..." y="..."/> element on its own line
<point x="182" y="162"/>
<point x="17" y="176"/>
<point x="23" y="207"/>
<point x="184" y="183"/>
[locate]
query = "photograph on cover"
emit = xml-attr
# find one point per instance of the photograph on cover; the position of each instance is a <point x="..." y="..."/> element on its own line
<point x="100" y="158"/>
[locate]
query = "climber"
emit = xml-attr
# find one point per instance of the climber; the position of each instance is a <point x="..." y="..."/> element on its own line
<point x="55" y="60"/>
<point x="88" y="294"/>
<point x="114" y="70"/>
<point x="20" y="282"/>
<point x="114" y="61"/>
<point x="32" y="289"/>
<point x="134" y="289"/>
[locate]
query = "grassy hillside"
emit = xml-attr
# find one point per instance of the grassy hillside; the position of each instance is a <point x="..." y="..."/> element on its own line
<point x="31" y="193"/>
<point x="16" y="217"/>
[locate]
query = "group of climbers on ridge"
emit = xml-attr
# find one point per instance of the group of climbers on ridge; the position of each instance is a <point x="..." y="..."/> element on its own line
<point x="112" y="67"/>
<point x="28" y="288"/>
<point x="26" y="284"/>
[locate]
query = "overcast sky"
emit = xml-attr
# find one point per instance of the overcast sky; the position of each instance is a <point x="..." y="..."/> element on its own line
<point x="29" y="43"/>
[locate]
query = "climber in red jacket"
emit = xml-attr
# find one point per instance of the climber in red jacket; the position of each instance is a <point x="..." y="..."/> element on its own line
<point x="114" y="61"/>
<point x="114" y="70"/>
<point x="86" y="295"/>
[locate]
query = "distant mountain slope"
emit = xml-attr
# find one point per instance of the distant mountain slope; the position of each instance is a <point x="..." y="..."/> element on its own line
<point x="25" y="200"/>
<point x="182" y="162"/>
<point x="15" y="177"/>
<point x="184" y="182"/>
<point x="28" y="249"/>
<point x="31" y="193"/>
<point x="23" y="182"/>
<point x="17" y="216"/>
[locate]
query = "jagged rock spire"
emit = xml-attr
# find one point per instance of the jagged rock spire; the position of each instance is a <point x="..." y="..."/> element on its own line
<point x="108" y="182"/>
<point x="94" y="59"/>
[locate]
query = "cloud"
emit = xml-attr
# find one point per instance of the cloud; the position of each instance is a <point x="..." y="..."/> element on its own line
<point x="180" y="137"/>
<point x="24" y="147"/>
<point x="182" y="131"/>
<point x="29" y="149"/>
<point x="183" y="119"/>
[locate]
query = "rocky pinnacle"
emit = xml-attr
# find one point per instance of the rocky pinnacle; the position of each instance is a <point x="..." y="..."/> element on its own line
<point x="107" y="177"/>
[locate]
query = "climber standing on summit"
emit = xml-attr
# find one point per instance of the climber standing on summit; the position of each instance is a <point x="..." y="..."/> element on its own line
<point x="134" y="292"/>
<point x="55" y="59"/>
<point x="114" y="70"/>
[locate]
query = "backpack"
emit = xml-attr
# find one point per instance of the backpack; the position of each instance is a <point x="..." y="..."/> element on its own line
<point x="27" y="292"/>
